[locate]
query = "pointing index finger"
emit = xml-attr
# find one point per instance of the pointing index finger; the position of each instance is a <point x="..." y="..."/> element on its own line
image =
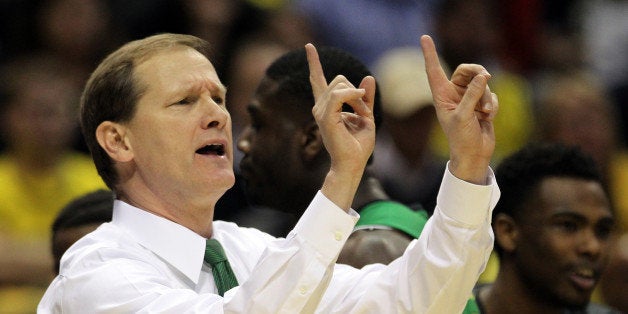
<point x="317" y="78"/>
<point x="435" y="73"/>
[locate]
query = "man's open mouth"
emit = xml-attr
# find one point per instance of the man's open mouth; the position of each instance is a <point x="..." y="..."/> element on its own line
<point x="212" y="149"/>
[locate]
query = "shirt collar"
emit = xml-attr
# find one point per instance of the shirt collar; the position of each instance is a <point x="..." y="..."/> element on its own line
<point x="179" y="246"/>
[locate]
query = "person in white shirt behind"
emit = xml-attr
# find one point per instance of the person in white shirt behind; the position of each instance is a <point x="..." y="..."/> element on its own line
<point x="154" y="117"/>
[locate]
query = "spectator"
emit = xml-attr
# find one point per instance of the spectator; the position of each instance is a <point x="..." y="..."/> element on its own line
<point x="39" y="170"/>
<point x="576" y="109"/>
<point x="552" y="230"/>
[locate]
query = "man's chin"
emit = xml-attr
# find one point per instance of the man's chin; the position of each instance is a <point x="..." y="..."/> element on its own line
<point x="577" y="308"/>
<point x="578" y="303"/>
<point x="222" y="182"/>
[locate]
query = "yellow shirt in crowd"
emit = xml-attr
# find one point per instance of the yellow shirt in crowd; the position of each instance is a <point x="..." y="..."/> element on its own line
<point x="29" y="203"/>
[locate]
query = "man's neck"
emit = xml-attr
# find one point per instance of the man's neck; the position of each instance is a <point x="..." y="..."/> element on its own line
<point x="508" y="295"/>
<point x="196" y="218"/>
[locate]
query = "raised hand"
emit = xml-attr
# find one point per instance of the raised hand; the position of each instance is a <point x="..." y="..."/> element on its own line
<point x="348" y="137"/>
<point x="465" y="108"/>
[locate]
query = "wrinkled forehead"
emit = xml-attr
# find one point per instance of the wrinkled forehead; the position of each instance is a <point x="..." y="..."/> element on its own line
<point x="176" y="67"/>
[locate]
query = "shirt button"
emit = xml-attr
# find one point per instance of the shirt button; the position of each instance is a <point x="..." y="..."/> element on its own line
<point x="338" y="235"/>
<point x="303" y="290"/>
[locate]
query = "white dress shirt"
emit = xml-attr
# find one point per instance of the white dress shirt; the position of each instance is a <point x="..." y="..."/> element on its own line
<point x="144" y="263"/>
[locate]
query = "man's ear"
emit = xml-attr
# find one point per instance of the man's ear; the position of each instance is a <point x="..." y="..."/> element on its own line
<point x="311" y="141"/>
<point x="112" y="138"/>
<point x="506" y="232"/>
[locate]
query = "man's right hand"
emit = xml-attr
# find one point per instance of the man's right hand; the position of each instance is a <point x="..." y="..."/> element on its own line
<point x="465" y="108"/>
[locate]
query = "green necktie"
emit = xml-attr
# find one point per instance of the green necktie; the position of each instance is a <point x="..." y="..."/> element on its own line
<point x="216" y="258"/>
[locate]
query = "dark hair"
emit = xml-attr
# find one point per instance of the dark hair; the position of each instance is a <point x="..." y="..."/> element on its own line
<point x="112" y="91"/>
<point x="291" y="73"/>
<point x="520" y="174"/>
<point x="90" y="208"/>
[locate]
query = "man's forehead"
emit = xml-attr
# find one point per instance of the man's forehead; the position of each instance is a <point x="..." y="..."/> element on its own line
<point x="183" y="63"/>
<point x="265" y="97"/>
<point x="554" y="196"/>
<point x="266" y="88"/>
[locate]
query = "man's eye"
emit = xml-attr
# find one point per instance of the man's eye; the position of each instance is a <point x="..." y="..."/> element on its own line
<point x="604" y="231"/>
<point x="567" y="226"/>
<point x="185" y="101"/>
<point x="219" y="100"/>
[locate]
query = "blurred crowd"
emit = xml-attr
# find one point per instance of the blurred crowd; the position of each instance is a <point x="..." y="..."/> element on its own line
<point x="560" y="69"/>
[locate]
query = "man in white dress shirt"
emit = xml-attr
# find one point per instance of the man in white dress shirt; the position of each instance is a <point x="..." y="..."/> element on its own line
<point x="154" y="117"/>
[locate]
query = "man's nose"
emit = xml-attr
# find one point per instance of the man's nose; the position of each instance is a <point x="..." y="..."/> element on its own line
<point x="591" y="244"/>
<point x="216" y="116"/>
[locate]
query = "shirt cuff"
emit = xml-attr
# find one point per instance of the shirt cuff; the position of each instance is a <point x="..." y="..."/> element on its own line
<point x="325" y="226"/>
<point x="466" y="202"/>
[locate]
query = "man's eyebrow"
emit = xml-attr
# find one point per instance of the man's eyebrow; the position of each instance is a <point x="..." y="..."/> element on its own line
<point x="217" y="88"/>
<point x="570" y="214"/>
<point x="567" y="213"/>
<point x="192" y="86"/>
<point x="212" y="85"/>
<point x="607" y="221"/>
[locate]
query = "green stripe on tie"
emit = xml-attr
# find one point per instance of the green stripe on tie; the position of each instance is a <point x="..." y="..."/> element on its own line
<point x="223" y="274"/>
